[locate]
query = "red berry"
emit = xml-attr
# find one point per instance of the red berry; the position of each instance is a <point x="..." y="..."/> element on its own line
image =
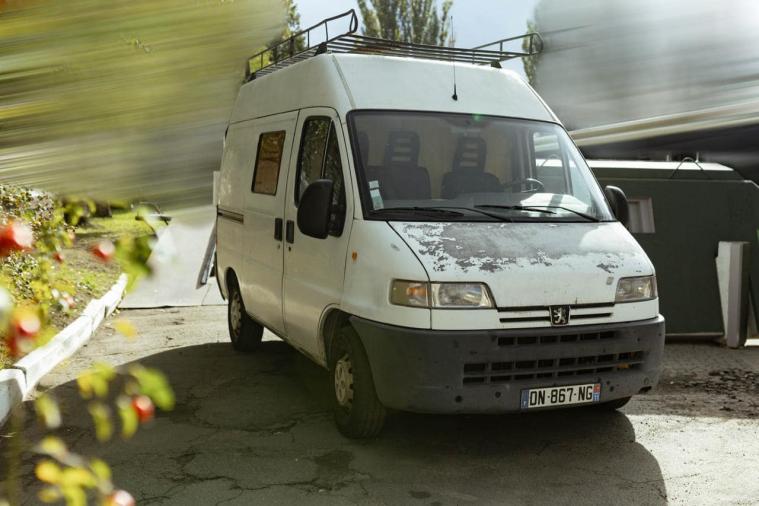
<point x="25" y="325"/>
<point x="143" y="406"/>
<point x="15" y="236"/>
<point x="58" y="257"/>
<point x="69" y="300"/>
<point x="104" y="250"/>
<point x="120" y="498"/>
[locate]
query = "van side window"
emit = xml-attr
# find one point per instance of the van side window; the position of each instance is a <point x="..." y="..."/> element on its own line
<point x="268" y="160"/>
<point x="319" y="158"/>
<point x="312" y="149"/>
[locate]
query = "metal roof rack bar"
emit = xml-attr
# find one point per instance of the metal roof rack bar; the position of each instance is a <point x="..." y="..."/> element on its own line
<point x="287" y="48"/>
<point x="534" y="46"/>
<point x="286" y="53"/>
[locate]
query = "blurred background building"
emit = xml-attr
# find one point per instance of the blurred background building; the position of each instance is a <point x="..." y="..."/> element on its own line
<point x="652" y="79"/>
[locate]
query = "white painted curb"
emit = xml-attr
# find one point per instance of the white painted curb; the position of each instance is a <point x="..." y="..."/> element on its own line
<point x="18" y="381"/>
<point x="12" y="390"/>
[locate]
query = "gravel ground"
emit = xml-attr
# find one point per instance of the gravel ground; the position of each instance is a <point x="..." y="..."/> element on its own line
<point x="256" y="429"/>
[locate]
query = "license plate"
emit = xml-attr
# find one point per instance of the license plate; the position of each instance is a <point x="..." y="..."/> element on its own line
<point x="561" y="396"/>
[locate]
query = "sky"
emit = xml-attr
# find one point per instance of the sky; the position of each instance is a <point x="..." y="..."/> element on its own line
<point x="475" y="22"/>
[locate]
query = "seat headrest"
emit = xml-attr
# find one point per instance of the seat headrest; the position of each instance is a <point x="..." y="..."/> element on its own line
<point x="402" y="148"/>
<point x="471" y="153"/>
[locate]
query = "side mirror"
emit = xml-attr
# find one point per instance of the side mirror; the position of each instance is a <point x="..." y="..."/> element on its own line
<point x="619" y="204"/>
<point x="314" y="209"/>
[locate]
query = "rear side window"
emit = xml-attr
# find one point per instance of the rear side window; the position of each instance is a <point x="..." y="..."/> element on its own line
<point x="320" y="159"/>
<point x="268" y="160"/>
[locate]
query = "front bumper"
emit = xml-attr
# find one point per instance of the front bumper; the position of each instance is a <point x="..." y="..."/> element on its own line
<point x="484" y="371"/>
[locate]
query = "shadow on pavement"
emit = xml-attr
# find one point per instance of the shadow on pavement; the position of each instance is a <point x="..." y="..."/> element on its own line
<point x="257" y="429"/>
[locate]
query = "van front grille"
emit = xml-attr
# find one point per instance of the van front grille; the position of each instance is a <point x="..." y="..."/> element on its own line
<point x="477" y="373"/>
<point x="541" y="314"/>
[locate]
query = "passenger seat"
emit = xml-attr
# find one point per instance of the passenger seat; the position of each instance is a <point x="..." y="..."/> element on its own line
<point x="401" y="177"/>
<point x="468" y="172"/>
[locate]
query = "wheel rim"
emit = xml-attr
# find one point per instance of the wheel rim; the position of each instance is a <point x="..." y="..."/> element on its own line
<point x="344" y="382"/>
<point x="235" y="314"/>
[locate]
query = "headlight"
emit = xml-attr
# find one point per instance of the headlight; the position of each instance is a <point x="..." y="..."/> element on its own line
<point x="410" y="293"/>
<point x="636" y="289"/>
<point x="447" y="295"/>
<point x="440" y="295"/>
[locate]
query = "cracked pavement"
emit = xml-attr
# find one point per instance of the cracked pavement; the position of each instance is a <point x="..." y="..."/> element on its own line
<point x="256" y="429"/>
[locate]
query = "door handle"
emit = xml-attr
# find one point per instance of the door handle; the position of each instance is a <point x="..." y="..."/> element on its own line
<point x="278" y="229"/>
<point x="290" y="231"/>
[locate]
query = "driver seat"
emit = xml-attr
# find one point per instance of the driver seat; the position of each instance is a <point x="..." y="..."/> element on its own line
<point x="468" y="171"/>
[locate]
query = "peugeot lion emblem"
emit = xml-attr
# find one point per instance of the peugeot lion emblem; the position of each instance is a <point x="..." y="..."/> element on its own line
<point x="559" y="315"/>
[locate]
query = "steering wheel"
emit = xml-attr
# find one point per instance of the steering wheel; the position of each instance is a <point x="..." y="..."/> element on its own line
<point x="531" y="185"/>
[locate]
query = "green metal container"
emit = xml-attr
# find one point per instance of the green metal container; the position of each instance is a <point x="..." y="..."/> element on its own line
<point x="679" y="214"/>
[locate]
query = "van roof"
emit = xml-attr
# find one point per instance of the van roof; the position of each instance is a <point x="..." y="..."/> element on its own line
<point x="346" y="82"/>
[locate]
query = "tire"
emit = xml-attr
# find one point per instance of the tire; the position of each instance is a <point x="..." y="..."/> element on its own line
<point x="358" y="412"/>
<point x="244" y="332"/>
<point x="613" y="405"/>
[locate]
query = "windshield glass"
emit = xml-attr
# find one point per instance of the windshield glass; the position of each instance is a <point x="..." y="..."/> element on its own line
<point x="448" y="167"/>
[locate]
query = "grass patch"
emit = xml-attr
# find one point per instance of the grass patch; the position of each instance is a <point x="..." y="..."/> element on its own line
<point x="121" y="224"/>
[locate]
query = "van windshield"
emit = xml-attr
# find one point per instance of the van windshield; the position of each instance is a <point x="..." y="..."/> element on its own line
<point x="421" y="166"/>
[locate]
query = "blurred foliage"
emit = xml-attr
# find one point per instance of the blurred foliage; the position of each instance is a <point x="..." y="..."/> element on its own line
<point x="417" y="21"/>
<point x="29" y="277"/>
<point x="34" y="229"/>
<point x="123" y="99"/>
<point x="73" y="478"/>
<point x="281" y="51"/>
<point x="53" y="279"/>
<point x="530" y="62"/>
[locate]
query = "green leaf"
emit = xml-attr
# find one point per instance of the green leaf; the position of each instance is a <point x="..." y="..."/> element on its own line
<point x="125" y="328"/>
<point x="129" y="420"/>
<point x="101" y="417"/>
<point x="154" y="384"/>
<point x="77" y="477"/>
<point x="48" y="471"/>
<point x="74" y="496"/>
<point x="48" y="411"/>
<point x="49" y="495"/>
<point x="52" y="446"/>
<point x="94" y="381"/>
<point x="101" y="470"/>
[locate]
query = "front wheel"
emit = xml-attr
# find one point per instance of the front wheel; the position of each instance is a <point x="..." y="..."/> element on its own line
<point x="358" y="411"/>
<point x="244" y="332"/>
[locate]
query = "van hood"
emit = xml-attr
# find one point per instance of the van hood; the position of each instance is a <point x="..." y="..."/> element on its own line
<point x="529" y="264"/>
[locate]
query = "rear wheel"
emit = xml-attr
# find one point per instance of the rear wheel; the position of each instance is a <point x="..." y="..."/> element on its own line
<point x="614" y="405"/>
<point x="358" y="411"/>
<point x="244" y="333"/>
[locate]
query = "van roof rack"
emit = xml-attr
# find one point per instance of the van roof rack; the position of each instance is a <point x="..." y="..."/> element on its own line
<point x="304" y="45"/>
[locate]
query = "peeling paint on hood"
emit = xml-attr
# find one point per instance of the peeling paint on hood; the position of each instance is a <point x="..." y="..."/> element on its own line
<point x="529" y="263"/>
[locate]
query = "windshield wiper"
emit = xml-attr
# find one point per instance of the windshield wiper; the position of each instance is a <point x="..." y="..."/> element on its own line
<point x="475" y="209"/>
<point x="516" y="208"/>
<point x="439" y="210"/>
<point x="417" y="209"/>
<point x="543" y="209"/>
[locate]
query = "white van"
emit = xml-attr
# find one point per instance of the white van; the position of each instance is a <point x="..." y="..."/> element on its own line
<point x="438" y="247"/>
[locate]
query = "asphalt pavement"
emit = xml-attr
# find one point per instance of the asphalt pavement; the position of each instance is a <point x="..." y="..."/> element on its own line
<point x="256" y="429"/>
